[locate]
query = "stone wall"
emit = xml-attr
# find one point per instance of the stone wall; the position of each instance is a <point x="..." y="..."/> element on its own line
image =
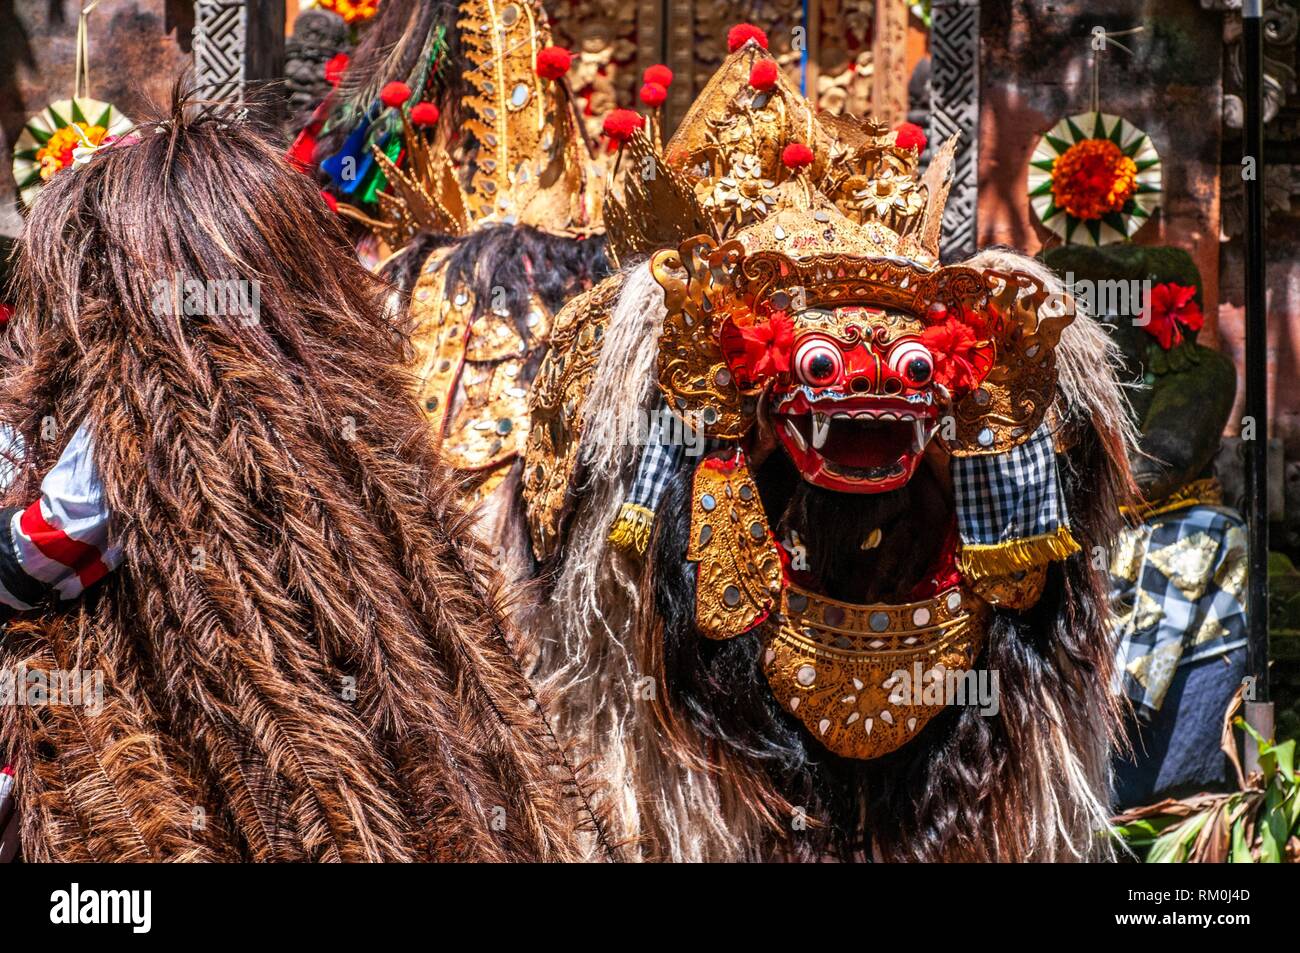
<point x="1035" y="69"/>
<point x="137" y="48"/>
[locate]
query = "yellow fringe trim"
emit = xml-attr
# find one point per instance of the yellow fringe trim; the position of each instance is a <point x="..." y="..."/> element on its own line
<point x="1001" y="559"/>
<point x="631" y="530"/>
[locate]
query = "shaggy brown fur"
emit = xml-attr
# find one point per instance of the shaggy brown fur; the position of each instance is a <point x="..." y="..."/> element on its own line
<point x="288" y="534"/>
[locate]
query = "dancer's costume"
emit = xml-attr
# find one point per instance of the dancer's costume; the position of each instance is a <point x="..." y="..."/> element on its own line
<point x="902" y="462"/>
<point x="495" y="216"/>
<point x="301" y="651"/>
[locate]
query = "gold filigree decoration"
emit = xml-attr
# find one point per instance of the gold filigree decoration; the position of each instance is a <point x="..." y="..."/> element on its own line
<point x="699" y="294"/>
<point x="531" y="163"/>
<point x="856" y="676"/>
<point x="738" y="566"/>
<point x="555" y="406"/>
<point x="1006" y="409"/>
<point x="1019" y="590"/>
<point x="473" y="373"/>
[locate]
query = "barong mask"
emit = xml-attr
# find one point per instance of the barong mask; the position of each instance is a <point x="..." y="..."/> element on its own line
<point x="815" y="304"/>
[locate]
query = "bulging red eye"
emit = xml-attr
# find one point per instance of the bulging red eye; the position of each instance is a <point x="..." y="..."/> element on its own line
<point x="912" y="361"/>
<point x="818" y="363"/>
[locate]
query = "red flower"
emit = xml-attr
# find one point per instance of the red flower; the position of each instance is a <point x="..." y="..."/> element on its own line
<point x="953" y="343"/>
<point x="796" y="155"/>
<point x="760" y="350"/>
<point x="330" y="200"/>
<point x="424" y="114"/>
<point x="6" y="312"/>
<point x="394" y="94"/>
<point x="1172" y="305"/>
<point x="909" y="135"/>
<point x="336" y="67"/>
<point x="553" y="62"/>
<point x="763" y="75"/>
<point x="653" y="95"/>
<point x="658" y="74"/>
<point x="742" y="33"/>
<point x="619" y="124"/>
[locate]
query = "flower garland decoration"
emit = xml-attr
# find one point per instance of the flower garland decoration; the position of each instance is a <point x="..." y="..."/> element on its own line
<point x="1094" y="179"/>
<point x="61" y="135"/>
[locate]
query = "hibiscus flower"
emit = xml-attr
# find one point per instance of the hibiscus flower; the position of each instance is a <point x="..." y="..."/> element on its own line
<point x="953" y="344"/>
<point x="1172" y="305"/>
<point x="760" y="350"/>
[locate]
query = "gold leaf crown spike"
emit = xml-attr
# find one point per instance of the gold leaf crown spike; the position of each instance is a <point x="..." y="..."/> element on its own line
<point x="529" y="163"/>
<point x="532" y="163"/>
<point x="727" y="153"/>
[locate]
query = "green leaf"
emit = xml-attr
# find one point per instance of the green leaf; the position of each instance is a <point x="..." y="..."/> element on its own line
<point x="39" y="134"/>
<point x="1094" y="229"/>
<point x="1098" y="126"/>
<point x="1274" y="826"/>
<point x="105" y="117"/>
<point x="77" y="114"/>
<point x="59" y="121"/>
<point x="1078" y="134"/>
<point x="1043" y="189"/>
<point x="1285" y="755"/>
<point x="1117" y="135"/>
<point x="28" y="154"/>
<point x="1134" y="147"/>
<point x="1240" y="849"/>
<point x="31" y="180"/>
<point x="1144" y="164"/>
<point x="1060" y="145"/>
<point x="1045" y="165"/>
<point x="1173" y="846"/>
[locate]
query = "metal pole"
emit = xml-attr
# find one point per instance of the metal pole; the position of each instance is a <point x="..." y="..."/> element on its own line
<point x="1259" y="709"/>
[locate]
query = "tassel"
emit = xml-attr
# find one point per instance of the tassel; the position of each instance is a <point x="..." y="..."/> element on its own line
<point x="1013" y="555"/>
<point x="631" y="531"/>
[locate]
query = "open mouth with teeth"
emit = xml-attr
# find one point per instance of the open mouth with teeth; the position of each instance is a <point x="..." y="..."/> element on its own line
<point x="855" y="444"/>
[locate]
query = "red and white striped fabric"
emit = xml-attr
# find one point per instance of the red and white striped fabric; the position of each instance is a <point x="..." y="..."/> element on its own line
<point x="59" y="545"/>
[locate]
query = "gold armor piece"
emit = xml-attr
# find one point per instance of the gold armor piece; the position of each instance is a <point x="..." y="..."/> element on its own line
<point x="849" y="672"/>
<point x="738" y="566"/>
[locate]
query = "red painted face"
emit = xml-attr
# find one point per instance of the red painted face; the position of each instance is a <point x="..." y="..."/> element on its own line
<point x="860" y="402"/>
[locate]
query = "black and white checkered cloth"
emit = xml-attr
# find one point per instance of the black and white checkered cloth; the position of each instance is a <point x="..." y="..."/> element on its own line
<point x="660" y="458"/>
<point x="1009" y="496"/>
<point x="1178" y="595"/>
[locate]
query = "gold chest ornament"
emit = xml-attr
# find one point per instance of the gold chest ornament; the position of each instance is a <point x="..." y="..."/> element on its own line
<point x="847" y="672"/>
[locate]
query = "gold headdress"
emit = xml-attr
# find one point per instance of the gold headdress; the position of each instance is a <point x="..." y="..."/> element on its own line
<point x="734" y="227"/>
<point x="524" y="160"/>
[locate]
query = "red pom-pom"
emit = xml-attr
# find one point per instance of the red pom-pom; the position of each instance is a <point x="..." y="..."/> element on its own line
<point x="763" y="75"/>
<point x="553" y="62"/>
<point x="424" y="114"/>
<point x="619" y="124"/>
<point x="336" y="67"/>
<point x="742" y="33"/>
<point x="796" y="155"/>
<point x="658" y="74"/>
<point x="653" y="95"/>
<point x="330" y="200"/>
<point x="909" y="135"/>
<point x="394" y="94"/>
